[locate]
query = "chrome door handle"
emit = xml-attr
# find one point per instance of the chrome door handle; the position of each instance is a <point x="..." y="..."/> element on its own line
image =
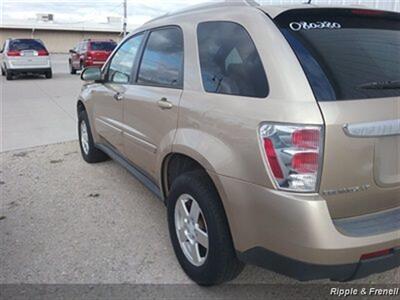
<point x="164" y="103"/>
<point x="118" y="96"/>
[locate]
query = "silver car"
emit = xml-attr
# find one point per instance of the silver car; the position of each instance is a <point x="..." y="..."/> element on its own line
<point x="25" y="56"/>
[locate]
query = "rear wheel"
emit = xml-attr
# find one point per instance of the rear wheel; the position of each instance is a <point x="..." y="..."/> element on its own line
<point x="89" y="152"/>
<point x="9" y="75"/>
<point x="199" y="230"/>
<point x="3" y="73"/>
<point x="72" y="70"/>
<point x="49" y="74"/>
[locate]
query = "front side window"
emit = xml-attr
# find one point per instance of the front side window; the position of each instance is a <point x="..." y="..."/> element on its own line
<point x="347" y="54"/>
<point x="162" y="62"/>
<point x="230" y="63"/>
<point x="120" y="69"/>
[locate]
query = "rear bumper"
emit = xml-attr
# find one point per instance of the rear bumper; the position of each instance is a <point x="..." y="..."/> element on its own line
<point x="305" y="271"/>
<point x="96" y="63"/>
<point x="299" y="228"/>
<point x="29" y="70"/>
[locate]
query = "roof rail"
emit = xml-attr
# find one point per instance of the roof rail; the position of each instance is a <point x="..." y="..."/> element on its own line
<point x="222" y="3"/>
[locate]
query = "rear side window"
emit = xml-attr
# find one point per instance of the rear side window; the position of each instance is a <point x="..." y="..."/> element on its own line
<point x="162" y="62"/>
<point x="26" y="44"/>
<point x="346" y="54"/>
<point x="229" y="60"/>
<point x="102" y="46"/>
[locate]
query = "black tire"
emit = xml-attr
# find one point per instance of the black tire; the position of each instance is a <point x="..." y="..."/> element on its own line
<point x="81" y="66"/>
<point x="9" y="75"/>
<point x="72" y="70"/>
<point x="3" y="73"/>
<point x="93" y="155"/>
<point x="49" y="74"/>
<point x="221" y="263"/>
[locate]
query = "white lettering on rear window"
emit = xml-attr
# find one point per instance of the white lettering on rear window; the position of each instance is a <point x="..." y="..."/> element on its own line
<point x="297" y="26"/>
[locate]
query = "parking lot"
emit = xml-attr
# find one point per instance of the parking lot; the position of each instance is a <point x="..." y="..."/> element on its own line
<point x="64" y="221"/>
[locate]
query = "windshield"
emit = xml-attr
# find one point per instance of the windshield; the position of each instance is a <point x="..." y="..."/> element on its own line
<point x="26" y="44"/>
<point x="346" y="54"/>
<point x="102" y="46"/>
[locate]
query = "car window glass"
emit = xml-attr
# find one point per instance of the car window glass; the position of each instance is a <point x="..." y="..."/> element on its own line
<point x="26" y="44"/>
<point x="346" y="54"/>
<point x="102" y="46"/>
<point x="230" y="63"/>
<point x="120" y="69"/>
<point x="162" y="63"/>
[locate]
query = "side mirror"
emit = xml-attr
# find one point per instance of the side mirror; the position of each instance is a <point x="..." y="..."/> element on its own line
<point x="91" y="74"/>
<point x="72" y="51"/>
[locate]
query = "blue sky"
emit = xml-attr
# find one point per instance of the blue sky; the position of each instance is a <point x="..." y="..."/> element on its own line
<point x="89" y="12"/>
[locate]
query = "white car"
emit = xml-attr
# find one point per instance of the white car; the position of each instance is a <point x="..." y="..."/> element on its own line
<point x="23" y="56"/>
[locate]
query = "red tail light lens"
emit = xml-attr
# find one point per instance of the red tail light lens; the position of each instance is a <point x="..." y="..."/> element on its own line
<point x="305" y="162"/>
<point x="43" y="53"/>
<point x="376" y="254"/>
<point x="13" y="53"/>
<point x="272" y="159"/>
<point x="306" y="138"/>
<point x="367" y="12"/>
<point x="293" y="154"/>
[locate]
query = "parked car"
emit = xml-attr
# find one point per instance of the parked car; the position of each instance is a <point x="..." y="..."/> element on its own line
<point x="275" y="143"/>
<point x="22" y="56"/>
<point x="90" y="53"/>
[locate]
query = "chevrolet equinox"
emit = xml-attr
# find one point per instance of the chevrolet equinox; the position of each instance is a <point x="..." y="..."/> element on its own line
<point x="271" y="133"/>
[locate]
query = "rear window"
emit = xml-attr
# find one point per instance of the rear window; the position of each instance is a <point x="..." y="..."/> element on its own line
<point x="102" y="46"/>
<point x="346" y="54"/>
<point x="26" y="44"/>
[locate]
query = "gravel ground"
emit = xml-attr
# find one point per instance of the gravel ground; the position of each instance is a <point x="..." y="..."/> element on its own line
<point x="64" y="221"/>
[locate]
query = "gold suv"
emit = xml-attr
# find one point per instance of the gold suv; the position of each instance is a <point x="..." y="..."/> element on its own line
<point x="271" y="133"/>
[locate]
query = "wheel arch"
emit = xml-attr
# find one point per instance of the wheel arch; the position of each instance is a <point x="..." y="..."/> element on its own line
<point x="189" y="162"/>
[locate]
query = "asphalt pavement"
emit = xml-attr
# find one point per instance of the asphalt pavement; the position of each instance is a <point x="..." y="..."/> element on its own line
<point x="38" y="111"/>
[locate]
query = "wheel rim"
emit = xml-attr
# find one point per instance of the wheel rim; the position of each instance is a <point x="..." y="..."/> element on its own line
<point x="84" y="137"/>
<point x="191" y="229"/>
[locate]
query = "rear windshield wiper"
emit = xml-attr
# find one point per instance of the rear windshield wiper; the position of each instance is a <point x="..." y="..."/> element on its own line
<point x="381" y="85"/>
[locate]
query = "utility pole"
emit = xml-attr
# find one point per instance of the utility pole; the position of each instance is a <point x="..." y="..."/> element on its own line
<point x="125" y="17"/>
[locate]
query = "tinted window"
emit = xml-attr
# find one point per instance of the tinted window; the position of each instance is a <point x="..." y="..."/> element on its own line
<point x="229" y="61"/>
<point x="26" y="44"/>
<point x="120" y="69"/>
<point x="344" y="52"/>
<point x="162" y="63"/>
<point x="102" y="46"/>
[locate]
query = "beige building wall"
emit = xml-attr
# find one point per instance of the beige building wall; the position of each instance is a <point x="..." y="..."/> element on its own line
<point x="57" y="41"/>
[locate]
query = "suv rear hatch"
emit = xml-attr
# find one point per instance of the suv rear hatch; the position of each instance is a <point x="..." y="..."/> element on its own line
<point x="351" y="58"/>
<point x="100" y="50"/>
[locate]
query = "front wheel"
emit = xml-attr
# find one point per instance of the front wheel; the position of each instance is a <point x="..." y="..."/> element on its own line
<point x="199" y="230"/>
<point x="88" y="150"/>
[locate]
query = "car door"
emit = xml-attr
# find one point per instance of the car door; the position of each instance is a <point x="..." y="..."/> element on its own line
<point x="110" y="95"/>
<point x="151" y="104"/>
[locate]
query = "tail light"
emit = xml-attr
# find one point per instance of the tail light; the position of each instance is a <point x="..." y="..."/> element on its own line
<point x="13" y="53"/>
<point x="293" y="155"/>
<point x="90" y="55"/>
<point x="43" y="53"/>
